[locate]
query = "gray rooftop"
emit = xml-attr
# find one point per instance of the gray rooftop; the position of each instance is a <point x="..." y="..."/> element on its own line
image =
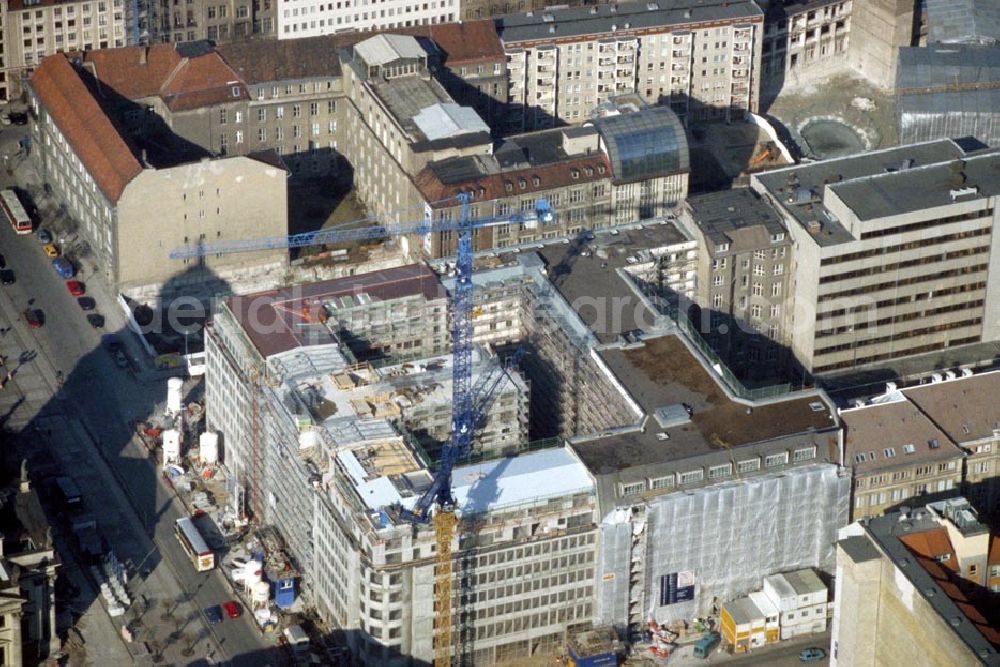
<point x="407" y="97"/>
<point x="799" y="189"/>
<point x="443" y="120"/>
<point x="963" y="21"/>
<point x="384" y="49"/>
<point x="727" y="213"/>
<point x="601" y="19"/>
<point x="917" y="188"/>
<point x="948" y="67"/>
<point x="886" y="531"/>
<point x="859" y="548"/>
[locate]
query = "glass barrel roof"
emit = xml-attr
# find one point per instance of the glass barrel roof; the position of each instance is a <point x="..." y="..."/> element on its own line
<point x="644" y="144"/>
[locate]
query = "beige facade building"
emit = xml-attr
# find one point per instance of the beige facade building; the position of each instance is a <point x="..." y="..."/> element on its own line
<point x="898" y="456"/>
<point x="894" y="253"/>
<point x="802" y="36"/>
<point x="119" y="190"/>
<point x="909" y="591"/>
<point x="31" y="31"/>
<point x="702" y="60"/>
<point x="744" y="270"/>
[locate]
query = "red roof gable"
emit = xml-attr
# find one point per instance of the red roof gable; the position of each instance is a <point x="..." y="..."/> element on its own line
<point x="88" y="130"/>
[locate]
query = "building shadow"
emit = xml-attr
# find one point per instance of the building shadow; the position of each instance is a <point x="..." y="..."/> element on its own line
<point x="88" y="432"/>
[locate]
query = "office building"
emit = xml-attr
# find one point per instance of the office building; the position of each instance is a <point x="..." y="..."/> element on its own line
<point x="893" y="253"/>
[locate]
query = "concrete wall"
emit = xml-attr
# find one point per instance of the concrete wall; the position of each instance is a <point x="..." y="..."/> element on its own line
<point x="212" y="201"/>
<point x="878" y="29"/>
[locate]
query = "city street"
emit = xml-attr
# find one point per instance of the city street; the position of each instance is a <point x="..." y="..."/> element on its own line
<point x="70" y="395"/>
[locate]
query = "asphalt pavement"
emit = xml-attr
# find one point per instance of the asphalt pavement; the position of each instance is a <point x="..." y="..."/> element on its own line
<point x="69" y="378"/>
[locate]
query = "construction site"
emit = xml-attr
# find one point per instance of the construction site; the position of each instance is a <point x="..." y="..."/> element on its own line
<point x="609" y="455"/>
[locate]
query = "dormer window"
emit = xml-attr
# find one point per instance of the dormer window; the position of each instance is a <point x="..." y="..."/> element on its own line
<point x="236" y="91"/>
<point x="600" y="169"/>
<point x="535" y="181"/>
<point x="574" y="173"/>
<point x="508" y="186"/>
<point x="590" y="171"/>
<point x="722" y="247"/>
<point x="521" y="183"/>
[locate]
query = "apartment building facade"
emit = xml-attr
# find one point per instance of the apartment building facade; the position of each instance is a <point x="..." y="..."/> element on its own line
<point x="803" y="36"/>
<point x="744" y="269"/>
<point x="702" y="60"/>
<point x="898" y="456"/>
<point x="903" y="241"/>
<point x="31" y="31"/>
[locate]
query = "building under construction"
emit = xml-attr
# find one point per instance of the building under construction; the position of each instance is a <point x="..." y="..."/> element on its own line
<point x="618" y="477"/>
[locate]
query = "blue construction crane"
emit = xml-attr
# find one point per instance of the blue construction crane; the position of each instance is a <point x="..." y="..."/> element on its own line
<point x="467" y="406"/>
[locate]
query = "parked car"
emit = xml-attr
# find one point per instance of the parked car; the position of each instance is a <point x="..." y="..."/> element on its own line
<point x="214" y="614"/>
<point x="812" y="654"/>
<point x="86" y="303"/>
<point x="43" y="236"/>
<point x="75" y="287"/>
<point x="95" y="320"/>
<point x="232" y="609"/>
<point x="7" y="277"/>
<point x="50" y="251"/>
<point x="63" y="268"/>
<point x="18" y="118"/>
<point x="34" y="317"/>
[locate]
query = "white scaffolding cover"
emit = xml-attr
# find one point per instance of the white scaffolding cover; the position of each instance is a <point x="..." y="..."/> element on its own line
<point x="729" y="536"/>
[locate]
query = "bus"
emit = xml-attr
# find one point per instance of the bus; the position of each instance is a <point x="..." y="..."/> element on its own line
<point x="15" y="212"/>
<point x="194" y="544"/>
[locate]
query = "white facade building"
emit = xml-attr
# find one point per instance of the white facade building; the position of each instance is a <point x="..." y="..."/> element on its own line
<point x="310" y="18"/>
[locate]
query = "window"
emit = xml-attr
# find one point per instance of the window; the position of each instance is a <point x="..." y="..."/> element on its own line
<point x="718" y="264"/>
<point x="239" y="136"/>
<point x="779" y="269"/>
<point x="776" y="460"/>
<point x="279" y="113"/>
<point x="662" y="482"/>
<point x="750" y="465"/>
<point x="804" y="454"/>
<point x="758" y="269"/>
<point x="755" y="310"/>
<point x="775" y="310"/>
<point x="720" y="471"/>
<point x="331" y="106"/>
<point x="973" y="570"/>
<point x="222" y="116"/>
<point x="632" y="488"/>
<point x="262" y="134"/>
<point x="775" y="238"/>
<point x="717" y="300"/>
<point x="238" y="117"/>
<point x="889" y="452"/>
<point x="722" y="247"/>
<point x="296" y="110"/>
<point x="718" y="280"/>
<point x="692" y="476"/>
<point x="261" y="115"/>
<point x="758" y="289"/>
<point x="909" y="449"/>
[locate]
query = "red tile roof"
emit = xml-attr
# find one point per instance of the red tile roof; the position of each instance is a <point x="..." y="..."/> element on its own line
<point x="467" y="42"/>
<point x="161" y="71"/>
<point x="83" y="123"/>
<point x="488" y="187"/>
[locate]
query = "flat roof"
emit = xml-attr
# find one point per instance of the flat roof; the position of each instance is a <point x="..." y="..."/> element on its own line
<point x="528" y="478"/>
<point x="663" y="372"/>
<point x="280" y="320"/>
<point x="586" y="275"/>
<point x="799" y="189"/>
<point x="622" y="18"/>
<point x="743" y="611"/>
<point x="975" y="21"/>
<point x="918" y="188"/>
<point x="725" y="214"/>
<point x="407" y="97"/>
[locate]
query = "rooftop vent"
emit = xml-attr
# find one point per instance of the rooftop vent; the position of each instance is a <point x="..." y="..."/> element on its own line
<point x="669" y="416"/>
<point x="814" y="226"/>
<point x="652" y="6"/>
<point x="593" y="10"/>
<point x="548" y="18"/>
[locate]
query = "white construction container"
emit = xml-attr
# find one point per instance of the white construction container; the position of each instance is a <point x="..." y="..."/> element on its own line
<point x="171" y="446"/>
<point x="175" y="394"/>
<point x="253" y="573"/>
<point x="208" y="443"/>
<point x="260" y="592"/>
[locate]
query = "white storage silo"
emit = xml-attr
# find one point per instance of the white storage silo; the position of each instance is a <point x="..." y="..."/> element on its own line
<point x="171" y="446"/>
<point x="175" y="394"/>
<point x="208" y="443"/>
<point x="261" y="592"/>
